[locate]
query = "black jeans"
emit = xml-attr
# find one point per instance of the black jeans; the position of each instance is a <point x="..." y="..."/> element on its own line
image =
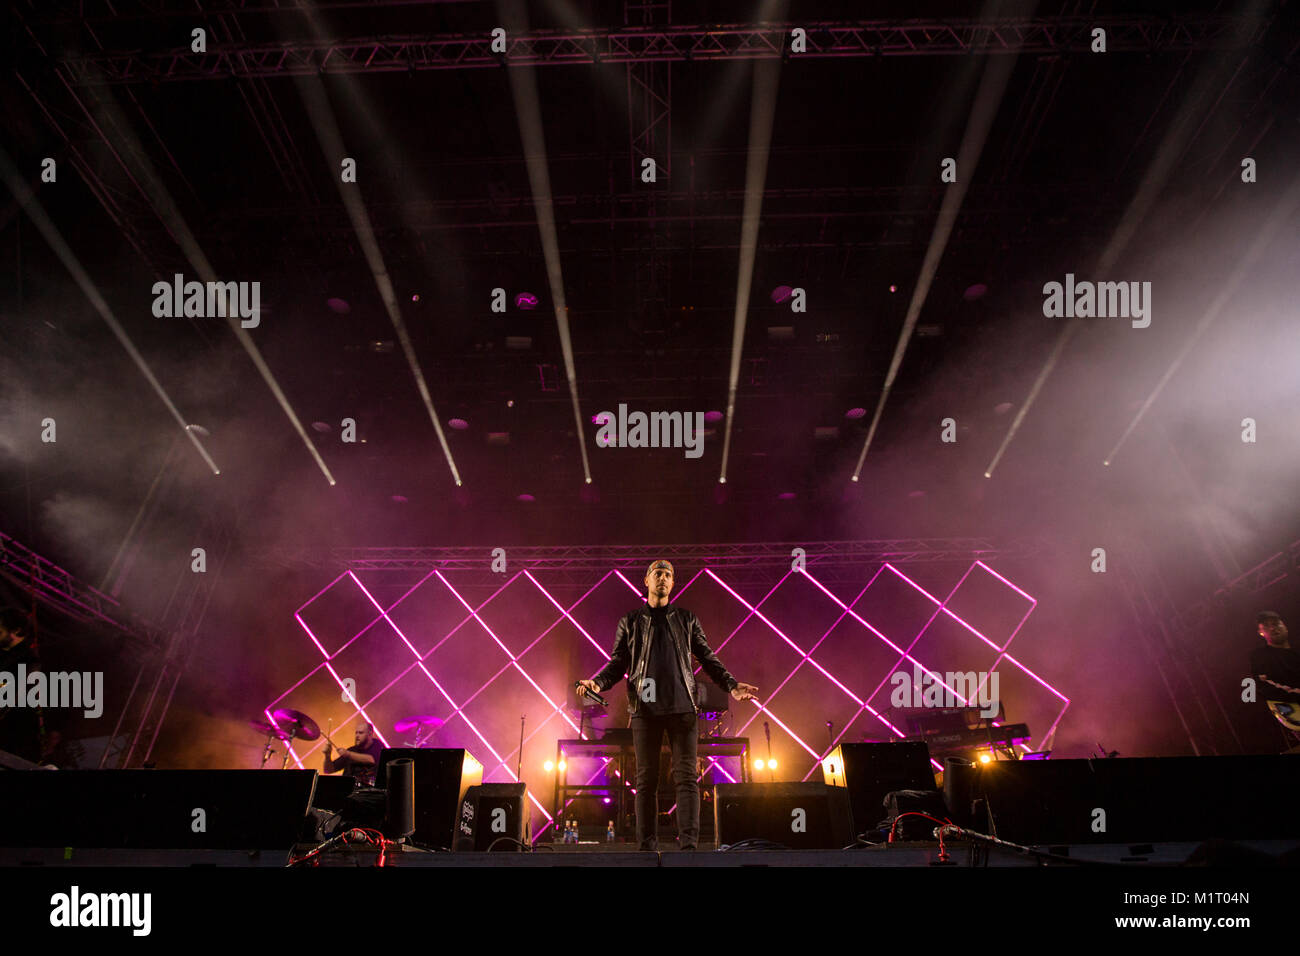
<point x="647" y="737"/>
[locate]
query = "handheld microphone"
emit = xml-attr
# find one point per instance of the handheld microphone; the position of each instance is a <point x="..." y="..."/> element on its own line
<point x="591" y="695"/>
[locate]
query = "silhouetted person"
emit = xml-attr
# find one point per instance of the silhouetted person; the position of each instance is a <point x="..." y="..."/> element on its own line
<point x="61" y="752"/>
<point x="20" y="727"/>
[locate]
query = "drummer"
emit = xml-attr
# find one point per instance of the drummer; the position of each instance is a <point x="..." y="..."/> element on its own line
<point x="360" y="760"/>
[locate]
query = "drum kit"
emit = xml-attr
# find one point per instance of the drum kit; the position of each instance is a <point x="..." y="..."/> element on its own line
<point x="288" y="725"/>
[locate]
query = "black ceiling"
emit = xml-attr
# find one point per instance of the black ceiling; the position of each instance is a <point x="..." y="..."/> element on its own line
<point x="852" y="196"/>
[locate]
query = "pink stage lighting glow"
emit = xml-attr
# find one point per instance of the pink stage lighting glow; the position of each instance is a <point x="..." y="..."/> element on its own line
<point x="544" y="708"/>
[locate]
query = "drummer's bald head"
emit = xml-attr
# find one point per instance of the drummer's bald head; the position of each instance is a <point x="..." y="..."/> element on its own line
<point x="365" y="731"/>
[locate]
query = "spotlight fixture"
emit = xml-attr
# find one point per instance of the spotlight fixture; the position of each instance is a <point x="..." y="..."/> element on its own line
<point x="458" y="423"/>
<point x="758" y="764"/>
<point x="771" y="764"/>
<point x="549" y="765"/>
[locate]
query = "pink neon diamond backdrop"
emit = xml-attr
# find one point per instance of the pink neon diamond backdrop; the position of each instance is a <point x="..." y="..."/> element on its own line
<point x="507" y="660"/>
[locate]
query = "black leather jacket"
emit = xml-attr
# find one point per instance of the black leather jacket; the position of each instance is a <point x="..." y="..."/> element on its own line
<point x="632" y="653"/>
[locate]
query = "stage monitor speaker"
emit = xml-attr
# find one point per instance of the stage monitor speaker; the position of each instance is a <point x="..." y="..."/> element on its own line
<point x="399" y="799"/>
<point x="1138" y="799"/>
<point x="332" y="792"/>
<point x="494" y="816"/>
<point x="871" y="770"/>
<point x="441" y="777"/>
<point x="155" y="809"/>
<point x="801" y="816"/>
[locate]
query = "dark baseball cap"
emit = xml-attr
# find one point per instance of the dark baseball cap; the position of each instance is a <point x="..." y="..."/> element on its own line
<point x="659" y="563"/>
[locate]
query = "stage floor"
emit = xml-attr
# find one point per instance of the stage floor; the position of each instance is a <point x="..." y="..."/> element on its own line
<point x="914" y="855"/>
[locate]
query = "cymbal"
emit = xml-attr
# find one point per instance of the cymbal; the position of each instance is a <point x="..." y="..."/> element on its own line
<point x="407" y="724"/>
<point x="262" y="727"/>
<point x="302" y="726"/>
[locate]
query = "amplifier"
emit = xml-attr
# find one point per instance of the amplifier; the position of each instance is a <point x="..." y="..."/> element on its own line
<point x="441" y="777"/>
<point x="494" y="816"/>
<point x="1137" y="799"/>
<point x="871" y="770"/>
<point x="155" y="809"/>
<point x="801" y="816"/>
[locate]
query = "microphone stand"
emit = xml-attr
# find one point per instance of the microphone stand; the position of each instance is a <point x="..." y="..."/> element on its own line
<point x="519" y="769"/>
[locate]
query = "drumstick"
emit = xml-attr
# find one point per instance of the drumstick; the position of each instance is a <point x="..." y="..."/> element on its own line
<point x="326" y="735"/>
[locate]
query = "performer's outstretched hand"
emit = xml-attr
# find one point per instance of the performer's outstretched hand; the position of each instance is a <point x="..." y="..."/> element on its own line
<point x="591" y="685"/>
<point x="743" y="691"/>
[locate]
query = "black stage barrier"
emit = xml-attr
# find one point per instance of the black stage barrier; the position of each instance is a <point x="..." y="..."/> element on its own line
<point x="155" y="809"/>
<point x="802" y="816"/>
<point x="1126" y="800"/>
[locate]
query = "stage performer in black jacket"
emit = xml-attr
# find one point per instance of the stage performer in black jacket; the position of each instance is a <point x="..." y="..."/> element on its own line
<point x="653" y="647"/>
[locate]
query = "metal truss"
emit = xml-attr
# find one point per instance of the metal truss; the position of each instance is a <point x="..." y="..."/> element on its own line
<point x="461" y="51"/>
<point x="188" y="609"/>
<point x="150" y="698"/>
<point x="59" y="589"/>
<point x="1259" y="578"/>
<point x="1193" y="693"/>
<point x="649" y="110"/>
<point x="815" y="217"/>
<point x="825" y="556"/>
